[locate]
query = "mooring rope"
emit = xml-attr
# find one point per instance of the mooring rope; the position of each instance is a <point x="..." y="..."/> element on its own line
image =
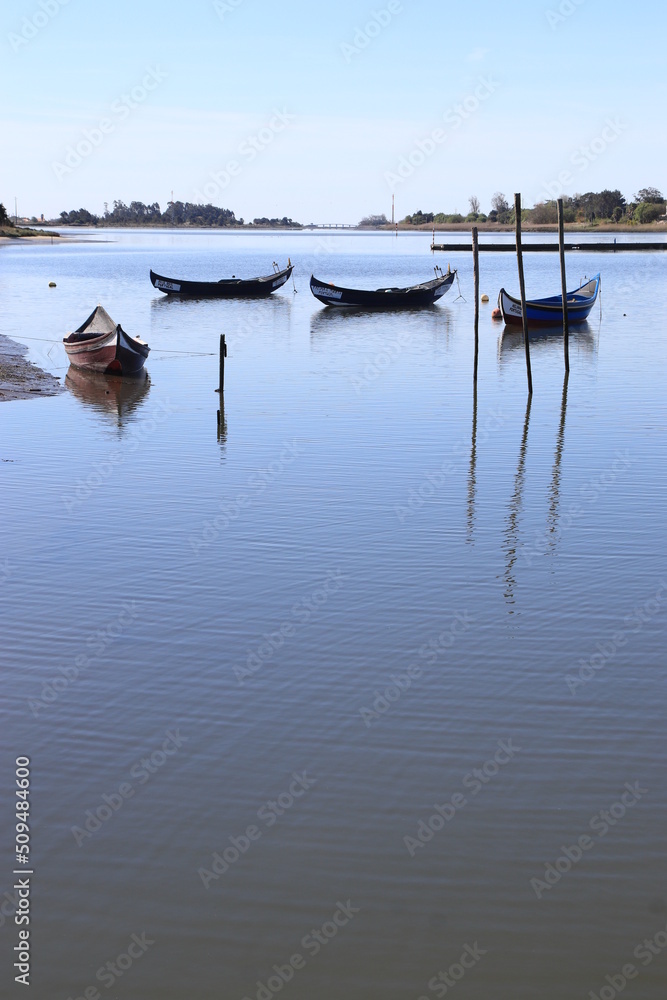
<point x="155" y="350"/>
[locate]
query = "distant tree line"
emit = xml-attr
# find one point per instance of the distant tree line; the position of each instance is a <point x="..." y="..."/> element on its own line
<point x="283" y="223"/>
<point x="647" y="206"/>
<point x="370" y="221"/>
<point x="177" y="213"/>
<point x="4" y="218"/>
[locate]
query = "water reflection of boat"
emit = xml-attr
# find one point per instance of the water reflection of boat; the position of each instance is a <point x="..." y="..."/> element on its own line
<point x="582" y="338"/>
<point x="108" y="394"/>
<point x="354" y="322"/>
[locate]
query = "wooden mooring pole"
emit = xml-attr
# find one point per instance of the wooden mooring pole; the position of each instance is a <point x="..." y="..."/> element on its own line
<point x="563" y="284"/>
<point x="475" y="258"/>
<point x="522" y="284"/>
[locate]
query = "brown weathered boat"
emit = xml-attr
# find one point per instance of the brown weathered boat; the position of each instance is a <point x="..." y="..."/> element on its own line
<point x="100" y="345"/>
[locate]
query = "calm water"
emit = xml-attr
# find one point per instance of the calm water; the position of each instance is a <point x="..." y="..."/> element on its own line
<point x="367" y="581"/>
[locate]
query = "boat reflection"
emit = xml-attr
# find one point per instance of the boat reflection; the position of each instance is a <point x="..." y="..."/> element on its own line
<point x="582" y="338"/>
<point x="351" y="322"/>
<point x="177" y="323"/>
<point x="114" y="396"/>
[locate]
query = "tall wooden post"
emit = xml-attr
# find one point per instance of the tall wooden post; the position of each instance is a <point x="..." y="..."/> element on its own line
<point x="563" y="284"/>
<point x="475" y="258"/>
<point x="522" y="285"/>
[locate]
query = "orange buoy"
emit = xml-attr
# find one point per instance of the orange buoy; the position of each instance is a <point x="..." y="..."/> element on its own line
<point x="496" y="314"/>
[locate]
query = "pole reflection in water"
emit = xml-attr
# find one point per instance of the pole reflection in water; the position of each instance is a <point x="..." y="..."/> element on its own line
<point x="554" y="489"/>
<point x="472" y="472"/>
<point x="222" y="421"/>
<point x="514" y="510"/>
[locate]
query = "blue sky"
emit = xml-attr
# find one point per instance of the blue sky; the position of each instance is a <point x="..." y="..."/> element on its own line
<point x="322" y="111"/>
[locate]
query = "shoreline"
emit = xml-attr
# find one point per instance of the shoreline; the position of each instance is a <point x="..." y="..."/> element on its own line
<point x="427" y="227"/>
<point x="67" y="233"/>
<point x="20" y="378"/>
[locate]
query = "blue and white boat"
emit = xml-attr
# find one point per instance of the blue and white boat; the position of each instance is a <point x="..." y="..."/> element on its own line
<point x="549" y="312"/>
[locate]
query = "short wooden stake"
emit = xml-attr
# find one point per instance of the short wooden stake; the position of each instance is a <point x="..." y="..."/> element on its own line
<point x="563" y="283"/>
<point x="522" y="285"/>
<point x="475" y="258"/>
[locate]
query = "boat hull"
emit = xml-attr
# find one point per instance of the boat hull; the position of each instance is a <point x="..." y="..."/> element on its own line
<point x="415" y="297"/>
<point x="549" y="311"/>
<point x="232" y="288"/>
<point x="113" y="353"/>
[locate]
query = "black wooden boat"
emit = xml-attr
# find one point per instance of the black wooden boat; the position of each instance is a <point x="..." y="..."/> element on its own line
<point x="226" y="288"/>
<point x="385" y="298"/>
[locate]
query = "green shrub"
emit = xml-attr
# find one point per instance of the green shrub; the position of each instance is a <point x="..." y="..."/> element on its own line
<point x="647" y="212"/>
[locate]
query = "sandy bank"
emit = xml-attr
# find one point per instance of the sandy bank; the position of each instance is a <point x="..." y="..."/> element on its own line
<point x="19" y="378"/>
